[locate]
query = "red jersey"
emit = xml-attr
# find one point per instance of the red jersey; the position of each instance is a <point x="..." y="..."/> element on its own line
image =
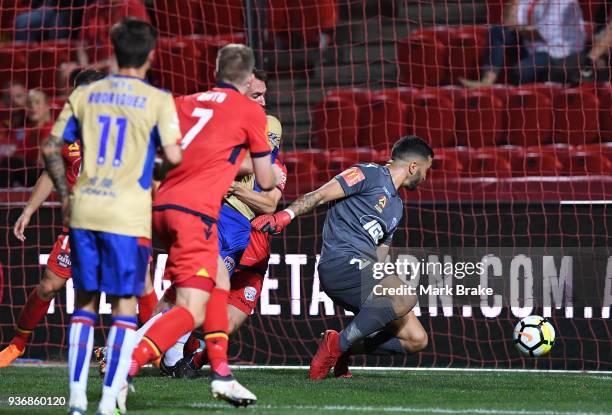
<point x="71" y="153"/>
<point x="217" y="126"/>
<point x="283" y="180"/>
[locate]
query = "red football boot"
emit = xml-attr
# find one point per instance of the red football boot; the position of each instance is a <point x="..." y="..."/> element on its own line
<point x="326" y="357"/>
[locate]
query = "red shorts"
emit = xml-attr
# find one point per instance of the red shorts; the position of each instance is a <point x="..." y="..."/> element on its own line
<point x="248" y="278"/>
<point x="59" y="259"/>
<point x="192" y="245"/>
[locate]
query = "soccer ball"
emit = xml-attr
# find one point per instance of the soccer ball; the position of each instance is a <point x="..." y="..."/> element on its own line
<point x="534" y="336"/>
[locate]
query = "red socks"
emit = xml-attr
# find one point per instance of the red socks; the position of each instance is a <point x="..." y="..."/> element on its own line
<point x="215" y="331"/>
<point x="34" y="310"/>
<point x="192" y="344"/>
<point x="146" y="304"/>
<point x="161" y="336"/>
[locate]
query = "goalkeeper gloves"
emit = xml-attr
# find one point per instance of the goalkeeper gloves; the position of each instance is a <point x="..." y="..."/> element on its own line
<point x="273" y="224"/>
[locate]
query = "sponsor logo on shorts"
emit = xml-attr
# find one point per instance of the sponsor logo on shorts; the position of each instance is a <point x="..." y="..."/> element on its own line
<point x="229" y="263"/>
<point x="64" y="261"/>
<point x="202" y="273"/>
<point x="250" y="293"/>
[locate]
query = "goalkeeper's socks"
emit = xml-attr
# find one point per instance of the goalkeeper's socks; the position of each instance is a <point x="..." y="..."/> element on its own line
<point x="175" y="353"/>
<point x="373" y="316"/>
<point x="381" y="343"/>
<point x="119" y="346"/>
<point x="215" y="332"/>
<point x="34" y="311"/>
<point x="146" y="304"/>
<point x="166" y="330"/>
<point x="79" y="355"/>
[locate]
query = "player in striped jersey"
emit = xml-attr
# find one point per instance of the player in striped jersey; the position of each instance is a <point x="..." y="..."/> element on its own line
<point x="121" y="121"/>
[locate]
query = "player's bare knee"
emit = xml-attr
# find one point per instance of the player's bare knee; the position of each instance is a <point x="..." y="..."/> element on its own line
<point x="50" y="285"/>
<point x="418" y="341"/>
<point x="403" y="304"/>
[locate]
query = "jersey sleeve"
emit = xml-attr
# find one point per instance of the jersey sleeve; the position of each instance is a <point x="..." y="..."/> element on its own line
<point x="257" y="134"/>
<point x="167" y="121"/>
<point x="352" y="180"/>
<point x="388" y="239"/>
<point x="66" y="126"/>
<point x="283" y="181"/>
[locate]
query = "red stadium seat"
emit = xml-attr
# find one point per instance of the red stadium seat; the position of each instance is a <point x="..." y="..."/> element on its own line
<point x="177" y="66"/>
<point x="603" y="149"/>
<point x="460" y="153"/>
<point x="530" y="118"/>
<point x="357" y="155"/>
<point x="388" y="121"/>
<point x="562" y="152"/>
<point x="604" y="93"/>
<point x="507" y="152"/>
<point x="576" y="117"/>
<point x="464" y="52"/>
<point x="479" y="119"/>
<point x="431" y="117"/>
<point x="187" y="17"/>
<point x="487" y="165"/>
<point x="537" y="164"/>
<point x="423" y="59"/>
<point x="445" y="165"/>
<point x="584" y="164"/>
<point x="336" y="122"/>
<point x="315" y="156"/>
<point x="360" y="97"/>
<point x="304" y="18"/>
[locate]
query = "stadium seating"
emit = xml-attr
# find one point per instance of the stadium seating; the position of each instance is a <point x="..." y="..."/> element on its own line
<point x="423" y="58"/>
<point x="388" y="120"/>
<point x="336" y="122"/>
<point x="479" y="117"/>
<point x="529" y="117"/>
<point x="431" y="116"/>
<point x="464" y="52"/>
<point x="576" y="116"/>
<point x="537" y="164"/>
<point x="187" y="17"/>
<point x="584" y="164"/>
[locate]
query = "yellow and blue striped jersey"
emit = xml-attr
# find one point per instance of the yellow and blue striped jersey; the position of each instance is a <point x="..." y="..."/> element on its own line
<point x="121" y="121"/>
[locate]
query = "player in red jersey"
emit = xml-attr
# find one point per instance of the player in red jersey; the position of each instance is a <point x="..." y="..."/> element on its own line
<point x="217" y="127"/>
<point x="58" y="264"/>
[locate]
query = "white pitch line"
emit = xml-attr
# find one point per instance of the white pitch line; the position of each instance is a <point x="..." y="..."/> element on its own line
<point x="395" y="409"/>
<point x="381" y="369"/>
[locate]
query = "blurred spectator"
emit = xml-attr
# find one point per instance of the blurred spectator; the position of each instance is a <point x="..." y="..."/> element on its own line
<point x="63" y="84"/>
<point x="49" y="20"/>
<point x="12" y="113"/>
<point x="601" y="47"/>
<point x="545" y="30"/>
<point x="38" y="127"/>
<point x="97" y="22"/>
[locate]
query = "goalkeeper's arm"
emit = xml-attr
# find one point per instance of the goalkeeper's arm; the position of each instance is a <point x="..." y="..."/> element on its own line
<point x="329" y="192"/>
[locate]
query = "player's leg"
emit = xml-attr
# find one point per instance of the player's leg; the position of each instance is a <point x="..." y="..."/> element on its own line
<point x="191" y="265"/>
<point x="351" y="288"/>
<point x="85" y="273"/>
<point x="148" y="300"/>
<point x="54" y="279"/>
<point x="123" y="272"/>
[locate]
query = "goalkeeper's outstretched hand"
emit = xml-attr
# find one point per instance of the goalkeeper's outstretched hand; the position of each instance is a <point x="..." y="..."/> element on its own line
<point x="272" y="224"/>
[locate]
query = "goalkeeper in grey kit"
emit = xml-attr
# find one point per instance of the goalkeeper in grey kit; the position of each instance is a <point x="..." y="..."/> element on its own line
<point x="357" y="233"/>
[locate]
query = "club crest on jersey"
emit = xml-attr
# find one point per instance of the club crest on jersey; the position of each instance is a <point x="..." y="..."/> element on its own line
<point x="382" y="202"/>
<point x="250" y="293"/>
<point x="229" y="263"/>
<point x="353" y="176"/>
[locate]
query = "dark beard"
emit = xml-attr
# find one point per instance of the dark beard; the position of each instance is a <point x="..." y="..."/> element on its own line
<point x="414" y="183"/>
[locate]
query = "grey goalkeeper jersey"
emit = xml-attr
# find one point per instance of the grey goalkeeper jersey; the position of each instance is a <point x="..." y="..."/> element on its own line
<point x="367" y="217"/>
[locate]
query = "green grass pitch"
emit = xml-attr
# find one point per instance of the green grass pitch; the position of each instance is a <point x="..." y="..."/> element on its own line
<point x="374" y="392"/>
